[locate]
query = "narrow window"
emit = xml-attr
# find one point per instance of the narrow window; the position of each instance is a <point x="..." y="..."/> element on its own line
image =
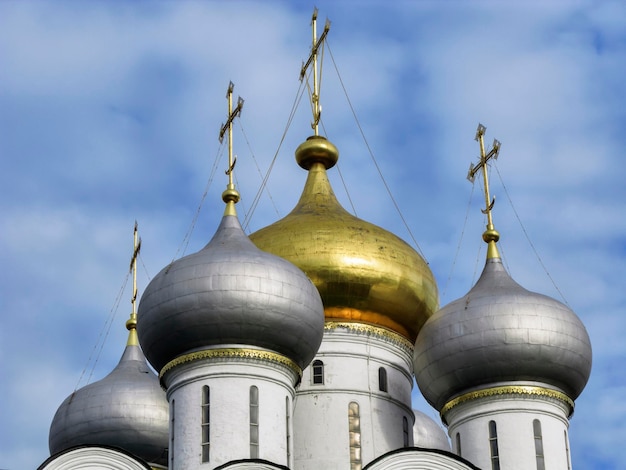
<point x="354" y="428"/>
<point x="288" y="432"/>
<point x="254" y="422"/>
<point x="538" y="445"/>
<point x="458" y="444"/>
<point x="318" y="372"/>
<point x="206" y="423"/>
<point x="172" y="430"/>
<point x="569" y="462"/>
<point x="405" y="431"/>
<point x="493" y="446"/>
<point x="382" y="379"/>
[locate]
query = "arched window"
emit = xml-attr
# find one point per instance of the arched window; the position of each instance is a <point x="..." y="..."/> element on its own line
<point x="458" y="444"/>
<point x="318" y="372"/>
<point x="354" y="428"/>
<point x="206" y="423"/>
<point x="382" y="379"/>
<point x="405" y="431"/>
<point x="493" y="446"/>
<point x="538" y="445"/>
<point x="254" y="422"/>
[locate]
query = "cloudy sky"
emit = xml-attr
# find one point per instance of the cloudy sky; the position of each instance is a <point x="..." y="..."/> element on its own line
<point x="110" y="112"/>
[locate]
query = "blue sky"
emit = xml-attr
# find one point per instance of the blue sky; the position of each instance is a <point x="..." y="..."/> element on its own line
<point x="110" y="112"/>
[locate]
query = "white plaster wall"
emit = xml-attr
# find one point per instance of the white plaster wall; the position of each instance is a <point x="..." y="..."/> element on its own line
<point x="514" y="417"/>
<point x="229" y="381"/>
<point x="351" y="362"/>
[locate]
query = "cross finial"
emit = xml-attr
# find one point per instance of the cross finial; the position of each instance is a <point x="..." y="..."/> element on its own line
<point x="131" y="323"/>
<point x="231" y="195"/>
<point x="491" y="236"/>
<point x="315" y="96"/>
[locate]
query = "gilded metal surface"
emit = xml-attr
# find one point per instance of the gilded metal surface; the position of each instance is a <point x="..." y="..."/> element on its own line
<point x="316" y="149"/>
<point x="371" y="330"/>
<point x="230" y="196"/>
<point x="233" y="353"/>
<point x="126" y="409"/>
<point x="366" y="316"/>
<point x="230" y="293"/>
<point x="131" y="323"/>
<point x="490" y="236"/>
<point x="315" y="98"/>
<point x="500" y="332"/>
<point x="362" y="272"/>
<point x="528" y="390"/>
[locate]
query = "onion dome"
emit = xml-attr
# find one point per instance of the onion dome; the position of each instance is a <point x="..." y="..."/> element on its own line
<point x="127" y="409"/>
<point x="363" y="273"/>
<point x="427" y="434"/>
<point x="500" y="332"/>
<point x="230" y="293"/>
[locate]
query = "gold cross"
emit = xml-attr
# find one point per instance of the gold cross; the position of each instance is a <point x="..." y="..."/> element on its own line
<point x="315" y="98"/>
<point x="231" y="195"/>
<point x="484" y="158"/>
<point x="131" y="323"/>
<point x="133" y="263"/>
<point x="491" y="236"/>
<point x="232" y="114"/>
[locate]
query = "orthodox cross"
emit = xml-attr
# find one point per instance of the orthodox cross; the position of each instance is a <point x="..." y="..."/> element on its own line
<point x="131" y="323"/>
<point x="490" y="236"/>
<point x="315" y="98"/>
<point x="482" y="164"/>
<point x="232" y="114"/>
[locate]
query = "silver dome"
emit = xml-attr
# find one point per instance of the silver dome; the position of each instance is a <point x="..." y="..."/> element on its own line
<point x="230" y="293"/>
<point x="500" y="332"/>
<point x="127" y="409"/>
<point x="427" y="434"/>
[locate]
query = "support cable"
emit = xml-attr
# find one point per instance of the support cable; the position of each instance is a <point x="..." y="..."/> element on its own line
<point x="292" y="113"/>
<point x="186" y="239"/>
<point x="529" y="241"/>
<point x="144" y="267"/>
<point x="458" y="247"/>
<point x="258" y="169"/>
<point x="343" y="181"/>
<point x="374" y="159"/>
<point x="102" y="337"/>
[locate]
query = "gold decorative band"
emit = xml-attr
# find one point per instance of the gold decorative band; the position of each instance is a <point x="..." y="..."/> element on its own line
<point x="509" y="390"/>
<point x="371" y="330"/>
<point x="350" y="314"/>
<point x="235" y="353"/>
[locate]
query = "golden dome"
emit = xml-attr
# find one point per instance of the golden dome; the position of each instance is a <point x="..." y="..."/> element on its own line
<point x="363" y="273"/>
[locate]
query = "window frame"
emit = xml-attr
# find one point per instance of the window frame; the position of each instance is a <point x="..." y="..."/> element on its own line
<point x="539" y="451"/>
<point x="383" y="385"/>
<point x="494" y="452"/>
<point x="205" y="424"/>
<point x="254" y="422"/>
<point x="317" y="372"/>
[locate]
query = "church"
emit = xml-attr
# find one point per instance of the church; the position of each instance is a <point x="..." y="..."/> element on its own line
<point x="297" y="348"/>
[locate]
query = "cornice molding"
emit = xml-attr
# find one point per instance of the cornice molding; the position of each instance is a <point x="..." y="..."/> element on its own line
<point x="371" y="330"/>
<point x="224" y="354"/>
<point x="511" y="391"/>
